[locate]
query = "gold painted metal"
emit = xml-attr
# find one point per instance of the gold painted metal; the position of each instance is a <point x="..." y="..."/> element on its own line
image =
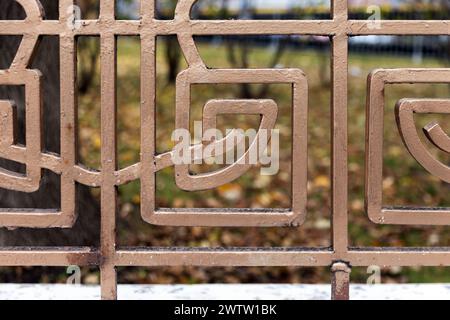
<point x="338" y="257"/>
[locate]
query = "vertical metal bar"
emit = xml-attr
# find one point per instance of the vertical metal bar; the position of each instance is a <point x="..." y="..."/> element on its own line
<point x="148" y="97"/>
<point x="68" y="58"/>
<point x="339" y="140"/>
<point x="339" y="129"/>
<point x="340" y="281"/>
<point x="339" y="143"/>
<point x="147" y="10"/>
<point x="109" y="165"/>
<point x="108" y="59"/>
<point x="108" y="9"/>
<point x="64" y="7"/>
<point x="339" y="9"/>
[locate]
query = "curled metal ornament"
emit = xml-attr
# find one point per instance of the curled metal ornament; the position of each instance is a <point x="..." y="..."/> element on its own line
<point x="404" y="113"/>
<point x="31" y="155"/>
<point x="35" y="158"/>
<point x="405" y="110"/>
<point x="19" y="74"/>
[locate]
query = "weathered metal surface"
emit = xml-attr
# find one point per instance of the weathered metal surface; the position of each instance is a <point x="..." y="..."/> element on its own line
<point x="339" y="257"/>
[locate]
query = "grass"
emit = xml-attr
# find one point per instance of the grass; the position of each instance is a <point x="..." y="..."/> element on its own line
<point x="405" y="182"/>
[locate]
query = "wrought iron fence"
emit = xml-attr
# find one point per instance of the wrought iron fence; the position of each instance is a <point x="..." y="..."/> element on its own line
<point x="339" y="257"/>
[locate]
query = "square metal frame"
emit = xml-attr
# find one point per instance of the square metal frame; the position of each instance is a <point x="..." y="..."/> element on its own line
<point x="239" y="217"/>
<point x="377" y="82"/>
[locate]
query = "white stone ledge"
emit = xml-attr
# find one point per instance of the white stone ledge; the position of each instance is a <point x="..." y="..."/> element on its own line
<point x="224" y="292"/>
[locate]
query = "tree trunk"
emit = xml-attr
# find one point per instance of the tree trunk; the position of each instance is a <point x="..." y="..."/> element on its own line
<point x="86" y="229"/>
<point x="173" y="56"/>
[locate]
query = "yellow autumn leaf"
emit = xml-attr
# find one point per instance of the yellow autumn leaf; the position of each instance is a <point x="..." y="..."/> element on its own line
<point x="96" y="141"/>
<point x="322" y="182"/>
<point x="136" y="199"/>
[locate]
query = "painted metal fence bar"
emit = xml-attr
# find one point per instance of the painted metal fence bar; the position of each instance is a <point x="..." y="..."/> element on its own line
<point x="339" y="257"/>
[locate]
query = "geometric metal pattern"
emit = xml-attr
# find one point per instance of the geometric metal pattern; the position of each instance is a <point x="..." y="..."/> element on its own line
<point x="404" y="115"/>
<point x="199" y="74"/>
<point x="339" y="256"/>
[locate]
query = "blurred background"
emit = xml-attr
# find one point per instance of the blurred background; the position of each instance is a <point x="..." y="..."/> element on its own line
<point x="405" y="182"/>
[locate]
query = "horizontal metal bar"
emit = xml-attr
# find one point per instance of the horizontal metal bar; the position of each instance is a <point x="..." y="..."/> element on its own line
<point x="229" y="27"/>
<point x="399" y="27"/>
<point x="283" y="257"/>
<point x="49" y="256"/>
<point x="404" y="257"/>
<point x="207" y="257"/>
<point x="189" y="257"/>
